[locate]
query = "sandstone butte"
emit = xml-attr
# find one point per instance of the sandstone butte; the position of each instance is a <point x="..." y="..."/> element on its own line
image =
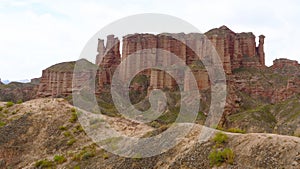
<point x="236" y="50"/>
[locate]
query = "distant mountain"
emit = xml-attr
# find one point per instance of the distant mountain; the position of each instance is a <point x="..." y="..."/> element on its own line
<point x="22" y="81"/>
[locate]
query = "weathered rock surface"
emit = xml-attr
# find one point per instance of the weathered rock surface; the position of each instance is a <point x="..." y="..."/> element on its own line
<point x="57" y="80"/>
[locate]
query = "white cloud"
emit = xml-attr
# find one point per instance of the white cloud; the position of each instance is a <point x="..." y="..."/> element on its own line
<point x="36" y="34"/>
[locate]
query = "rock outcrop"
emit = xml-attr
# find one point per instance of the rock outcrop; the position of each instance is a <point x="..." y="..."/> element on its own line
<point x="57" y="80"/>
<point x="238" y="52"/>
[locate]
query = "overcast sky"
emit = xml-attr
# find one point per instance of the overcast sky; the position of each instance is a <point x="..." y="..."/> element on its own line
<point x="37" y="34"/>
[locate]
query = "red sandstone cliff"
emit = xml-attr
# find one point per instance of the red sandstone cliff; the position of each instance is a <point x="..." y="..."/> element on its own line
<point x="236" y="50"/>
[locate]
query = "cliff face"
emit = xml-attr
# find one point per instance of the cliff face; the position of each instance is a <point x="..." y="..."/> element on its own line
<point x="243" y="62"/>
<point x="235" y="50"/>
<point x="57" y="80"/>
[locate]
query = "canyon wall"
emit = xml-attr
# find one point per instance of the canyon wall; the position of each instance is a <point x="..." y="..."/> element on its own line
<point x="236" y="51"/>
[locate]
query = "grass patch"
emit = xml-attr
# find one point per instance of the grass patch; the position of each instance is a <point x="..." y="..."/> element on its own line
<point x="71" y="141"/>
<point x="67" y="134"/>
<point x="44" y="164"/>
<point x="236" y="130"/>
<point x="19" y="101"/>
<point x="220" y="138"/>
<point x="87" y="153"/>
<point x="59" y="159"/>
<point x="9" y="104"/>
<point x="74" y="117"/>
<point x="62" y="128"/>
<point x="2" y="123"/>
<point x="217" y="157"/>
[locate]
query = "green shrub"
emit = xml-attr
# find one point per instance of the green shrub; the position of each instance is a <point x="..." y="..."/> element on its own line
<point x="228" y="155"/>
<point x="86" y="153"/>
<point x="67" y="134"/>
<point x="59" y="159"/>
<point x="9" y="104"/>
<point x="2" y="123"/>
<point x="78" y="129"/>
<point x="44" y="164"/>
<point x="236" y="130"/>
<point x="105" y="156"/>
<point x="220" y="138"/>
<point x="19" y="101"/>
<point x="74" y="117"/>
<point x="217" y="157"/>
<point x="77" y="167"/>
<point x="62" y="128"/>
<point x="1" y="108"/>
<point x="71" y="141"/>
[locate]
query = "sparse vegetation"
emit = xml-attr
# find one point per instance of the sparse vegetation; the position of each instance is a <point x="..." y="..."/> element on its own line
<point x="67" y="134"/>
<point x="74" y="117"/>
<point x="59" y="159"/>
<point x="1" y="108"/>
<point x="2" y="123"/>
<point x="44" y="164"/>
<point x="19" y="101"/>
<point x="220" y="138"/>
<point x="217" y="157"/>
<point x="236" y="130"/>
<point x="78" y="129"/>
<point x="86" y="153"/>
<point x="62" y="128"/>
<point x="9" y="104"/>
<point x="71" y="141"/>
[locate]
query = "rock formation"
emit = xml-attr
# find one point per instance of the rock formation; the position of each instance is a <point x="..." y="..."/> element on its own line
<point x="57" y="80"/>
<point x="238" y="52"/>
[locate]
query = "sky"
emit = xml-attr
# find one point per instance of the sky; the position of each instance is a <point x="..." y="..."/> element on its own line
<point x="35" y="34"/>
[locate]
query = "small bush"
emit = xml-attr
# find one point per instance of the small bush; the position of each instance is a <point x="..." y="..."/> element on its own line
<point x="9" y="104"/>
<point x="59" y="159"/>
<point x="73" y="118"/>
<point x="105" y="156"/>
<point x="2" y="123"/>
<point x="1" y="108"/>
<point x="71" y="141"/>
<point x="220" y="138"/>
<point x="44" y="164"/>
<point x="67" y="134"/>
<point x="62" y="128"/>
<point x="228" y="155"/>
<point x="86" y="153"/>
<point x="219" y="157"/>
<point x="19" y="101"/>
<point x="78" y="129"/>
<point x="73" y="109"/>
<point x="77" y="167"/>
<point x="236" y="130"/>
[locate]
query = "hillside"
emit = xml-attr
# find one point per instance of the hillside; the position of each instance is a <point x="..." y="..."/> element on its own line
<point x="44" y="128"/>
